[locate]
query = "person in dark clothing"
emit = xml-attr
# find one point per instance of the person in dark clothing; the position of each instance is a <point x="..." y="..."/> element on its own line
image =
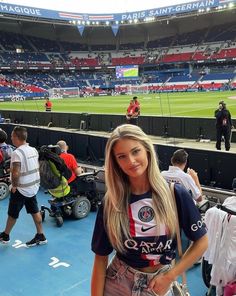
<point x="223" y="126"/>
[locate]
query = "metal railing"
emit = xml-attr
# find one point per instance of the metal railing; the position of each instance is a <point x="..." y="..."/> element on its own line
<point x="217" y="195"/>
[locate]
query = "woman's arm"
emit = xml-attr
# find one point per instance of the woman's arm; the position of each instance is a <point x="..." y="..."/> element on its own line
<point x="161" y="283"/>
<point x="98" y="275"/>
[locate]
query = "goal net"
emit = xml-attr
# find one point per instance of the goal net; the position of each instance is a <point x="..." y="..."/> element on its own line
<point x="137" y="89"/>
<point x="67" y="92"/>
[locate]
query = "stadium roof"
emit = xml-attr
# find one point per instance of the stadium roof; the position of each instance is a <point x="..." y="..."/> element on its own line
<point x="101" y="6"/>
<point x="132" y="33"/>
<point x="174" y="8"/>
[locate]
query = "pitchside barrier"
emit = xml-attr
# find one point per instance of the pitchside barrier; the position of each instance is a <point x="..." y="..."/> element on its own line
<point x="215" y="168"/>
<point x="217" y="195"/>
<point x="176" y="127"/>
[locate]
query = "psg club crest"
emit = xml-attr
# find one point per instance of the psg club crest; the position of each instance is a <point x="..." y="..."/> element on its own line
<point x="146" y="214"/>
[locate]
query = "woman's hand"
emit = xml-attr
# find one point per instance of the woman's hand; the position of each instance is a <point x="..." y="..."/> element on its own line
<point x="160" y="284"/>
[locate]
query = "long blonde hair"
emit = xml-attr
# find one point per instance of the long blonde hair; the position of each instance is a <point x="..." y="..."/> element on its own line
<point x="118" y="188"/>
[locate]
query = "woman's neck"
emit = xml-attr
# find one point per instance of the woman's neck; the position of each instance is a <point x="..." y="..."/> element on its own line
<point x="139" y="185"/>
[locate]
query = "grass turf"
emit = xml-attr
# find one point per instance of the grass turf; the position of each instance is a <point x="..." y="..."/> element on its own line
<point x="172" y="104"/>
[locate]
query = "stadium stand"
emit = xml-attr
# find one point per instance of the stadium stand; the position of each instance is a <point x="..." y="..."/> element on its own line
<point x="35" y="61"/>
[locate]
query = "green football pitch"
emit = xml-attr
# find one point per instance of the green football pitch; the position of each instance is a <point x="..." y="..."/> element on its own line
<point x="163" y="104"/>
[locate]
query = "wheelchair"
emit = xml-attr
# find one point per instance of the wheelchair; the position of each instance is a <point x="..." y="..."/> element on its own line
<point x="4" y="179"/>
<point x="78" y="203"/>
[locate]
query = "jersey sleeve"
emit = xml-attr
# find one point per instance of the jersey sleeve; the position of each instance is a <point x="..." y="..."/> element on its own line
<point x="190" y="219"/>
<point x="100" y="242"/>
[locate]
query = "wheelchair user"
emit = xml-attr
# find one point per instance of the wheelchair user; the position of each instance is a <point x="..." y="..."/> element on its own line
<point x="72" y="165"/>
<point x="5" y="153"/>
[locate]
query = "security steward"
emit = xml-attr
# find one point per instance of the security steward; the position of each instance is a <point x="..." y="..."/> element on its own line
<point x="223" y="126"/>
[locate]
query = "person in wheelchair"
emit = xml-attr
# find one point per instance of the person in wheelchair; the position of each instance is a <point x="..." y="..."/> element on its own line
<point x="5" y="154"/>
<point x="55" y="176"/>
<point x="72" y="165"/>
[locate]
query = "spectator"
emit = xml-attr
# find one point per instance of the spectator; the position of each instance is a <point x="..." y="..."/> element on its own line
<point x="71" y="163"/>
<point x="223" y="126"/>
<point x="5" y="149"/>
<point x="176" y="174"/>
<point x="25" y="182"/>
<point x="138" y="221"/>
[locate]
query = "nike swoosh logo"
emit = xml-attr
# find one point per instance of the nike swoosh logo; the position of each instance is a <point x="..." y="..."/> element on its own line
<point x="148" y="228"/>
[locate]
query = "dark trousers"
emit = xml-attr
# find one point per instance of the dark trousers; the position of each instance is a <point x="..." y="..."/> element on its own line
<point x="225" y="132"/>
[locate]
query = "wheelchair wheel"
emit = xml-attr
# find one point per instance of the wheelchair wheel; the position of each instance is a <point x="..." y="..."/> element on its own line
<point x="59" y="220"/>
<point x="4" y="190"/>
<point x="206" y="272"/>
<point x="81" y="207"/>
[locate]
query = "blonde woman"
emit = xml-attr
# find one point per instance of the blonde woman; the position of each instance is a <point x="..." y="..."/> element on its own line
<point x="138" y="221"/>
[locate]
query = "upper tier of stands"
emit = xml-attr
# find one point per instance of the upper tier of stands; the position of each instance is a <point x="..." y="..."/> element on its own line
<point x="25" y="52"/>
<point x="217" y="42"/>
<point x="192" y="53"/>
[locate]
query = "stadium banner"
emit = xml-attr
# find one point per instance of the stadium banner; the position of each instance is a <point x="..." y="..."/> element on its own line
<point x="190" y="6"/>
<point x="115" y="29"/>
<point x="14" y="97"/>
<point x="81" y="29"/>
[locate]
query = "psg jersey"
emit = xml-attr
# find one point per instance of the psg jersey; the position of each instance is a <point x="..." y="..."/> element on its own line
<point x="150" y="242"/>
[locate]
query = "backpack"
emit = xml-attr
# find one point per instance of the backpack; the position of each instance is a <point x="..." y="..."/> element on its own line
<point x="48" y="178"/>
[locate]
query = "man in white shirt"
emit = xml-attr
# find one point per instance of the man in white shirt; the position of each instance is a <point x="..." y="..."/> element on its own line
<point x="25" y="182"/>
<point x="176" y="174"/>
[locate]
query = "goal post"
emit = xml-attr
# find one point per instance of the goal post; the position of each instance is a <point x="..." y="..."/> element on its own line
<point x="137" y="89"/>
<point x="66" y="92"/>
